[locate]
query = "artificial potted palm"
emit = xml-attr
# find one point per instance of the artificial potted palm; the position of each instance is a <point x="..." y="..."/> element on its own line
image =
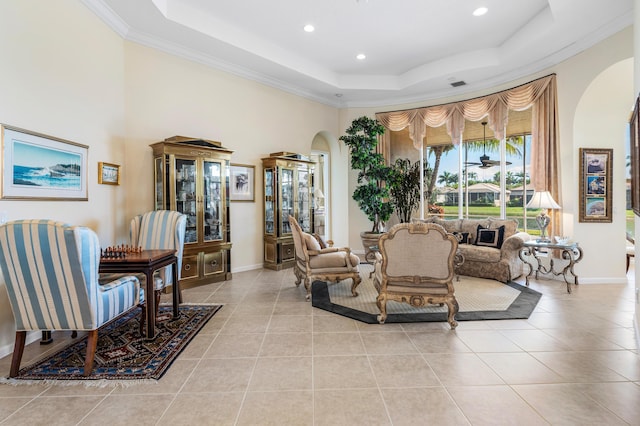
<point x="371" y="193"/>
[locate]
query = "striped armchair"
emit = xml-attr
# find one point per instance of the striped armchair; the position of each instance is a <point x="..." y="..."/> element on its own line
<point x="160" y="229"/>
<point x="51" y="274"/>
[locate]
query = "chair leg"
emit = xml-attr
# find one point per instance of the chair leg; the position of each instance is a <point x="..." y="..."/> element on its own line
<point x="92" y="344"/>
<point x="18" y="349"/>
<point x="381" y="301"/>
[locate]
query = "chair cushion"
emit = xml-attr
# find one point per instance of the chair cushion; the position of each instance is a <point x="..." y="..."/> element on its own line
<point x="479" y="253"/>
<point x="336" y="259"/>
<point x="311" y="242"/>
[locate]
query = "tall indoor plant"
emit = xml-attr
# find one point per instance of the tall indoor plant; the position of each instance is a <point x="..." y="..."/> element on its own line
<point x="371" y="194"/>
<point x="405" y="188"/>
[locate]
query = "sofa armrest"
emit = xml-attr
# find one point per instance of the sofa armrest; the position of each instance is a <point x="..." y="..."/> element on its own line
<point x="512" y="245"/>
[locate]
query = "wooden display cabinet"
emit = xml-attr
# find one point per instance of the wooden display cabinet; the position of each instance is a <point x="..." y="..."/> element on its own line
<point x="192" y="177"/>
<point x="288" y="190"/>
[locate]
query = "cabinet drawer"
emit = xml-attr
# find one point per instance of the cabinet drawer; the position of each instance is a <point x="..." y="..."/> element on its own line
<point x="287" y="251"/>
<point x="213" y="263"/>
<point x="189" y="267"/>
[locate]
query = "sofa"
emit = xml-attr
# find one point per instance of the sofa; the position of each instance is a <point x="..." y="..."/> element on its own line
<point x="490" y="246"/>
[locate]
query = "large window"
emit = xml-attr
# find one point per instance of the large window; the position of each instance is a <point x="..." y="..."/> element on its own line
<point x="465" y="180"/>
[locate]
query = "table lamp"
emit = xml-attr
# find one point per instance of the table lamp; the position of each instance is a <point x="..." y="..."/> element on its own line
<point x="542" y="200"/>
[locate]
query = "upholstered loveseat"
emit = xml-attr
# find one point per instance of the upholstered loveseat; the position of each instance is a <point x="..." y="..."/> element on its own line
<point x="490" y="246"/>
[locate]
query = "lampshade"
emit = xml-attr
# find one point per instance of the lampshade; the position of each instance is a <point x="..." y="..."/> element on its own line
<point x="318" y="193"/>
<point x="542" y="200"/>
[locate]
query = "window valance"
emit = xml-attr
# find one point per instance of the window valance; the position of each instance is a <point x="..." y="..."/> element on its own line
<point x="540" y="95"/>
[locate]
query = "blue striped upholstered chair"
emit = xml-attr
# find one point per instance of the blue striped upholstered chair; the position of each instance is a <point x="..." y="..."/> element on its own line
<point x="160" y="229"/>
<point x="51" y="273"/>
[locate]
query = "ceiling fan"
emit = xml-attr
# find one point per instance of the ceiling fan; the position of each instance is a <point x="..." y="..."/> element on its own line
<point x="485" y="161"/>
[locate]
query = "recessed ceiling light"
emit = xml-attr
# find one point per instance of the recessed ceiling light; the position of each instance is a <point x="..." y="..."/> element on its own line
<point x="480" y="11"/>
<point x="361" y="56"/>
<point x="309" y="28"/>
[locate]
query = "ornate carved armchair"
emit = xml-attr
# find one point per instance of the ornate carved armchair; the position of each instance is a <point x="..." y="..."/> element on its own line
<point x="51" y="273"/>
<point x="314" y="262"/>
<point x="415" y="265"/>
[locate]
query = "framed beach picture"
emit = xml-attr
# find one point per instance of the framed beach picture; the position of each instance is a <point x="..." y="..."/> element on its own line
<point x="634" y="153"/>
<point x="41" y="167"/>
<point x="596" y="167"/>
<point x="108" y="174"/>
<point x="242" y="183"/>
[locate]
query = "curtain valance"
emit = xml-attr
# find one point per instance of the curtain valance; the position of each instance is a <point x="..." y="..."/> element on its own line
<point x="539" y="94"/>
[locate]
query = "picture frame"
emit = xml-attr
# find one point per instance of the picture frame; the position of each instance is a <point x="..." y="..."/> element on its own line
<point x="242" y="182"/>
<point x="108" y="173"/>
<point x="596" y="171"/>
<point x="634" y="156"/>
<point x="41" y="167"/>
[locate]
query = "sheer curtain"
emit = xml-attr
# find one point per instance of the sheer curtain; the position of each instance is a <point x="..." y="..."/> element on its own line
<point x="540" y="95"/>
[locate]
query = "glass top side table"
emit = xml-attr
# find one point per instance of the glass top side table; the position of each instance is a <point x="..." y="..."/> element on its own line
<point x="569" y="251"/>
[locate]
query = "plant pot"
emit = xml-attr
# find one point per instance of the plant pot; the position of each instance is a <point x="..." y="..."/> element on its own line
<point x="370" y="244"/>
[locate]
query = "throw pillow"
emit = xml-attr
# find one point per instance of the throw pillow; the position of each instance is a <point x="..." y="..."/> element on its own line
<point x="490" y="237"/>
<point x="311" y="242"/>
<point x="320" y="241"/>
<point x="463" y="237"/>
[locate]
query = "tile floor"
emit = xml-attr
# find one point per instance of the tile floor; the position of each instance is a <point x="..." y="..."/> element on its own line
<point x="269" y="358"/>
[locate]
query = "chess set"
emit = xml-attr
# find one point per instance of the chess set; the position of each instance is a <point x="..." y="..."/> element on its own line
<point x="118" y="252"/>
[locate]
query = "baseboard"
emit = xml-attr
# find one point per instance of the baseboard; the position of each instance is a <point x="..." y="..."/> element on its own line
<point x="32" y="336"/>
<point x="601" y="280"/>
<point x="247" y="268"/>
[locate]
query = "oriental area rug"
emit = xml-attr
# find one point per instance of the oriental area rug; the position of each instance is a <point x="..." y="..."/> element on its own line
<point x="123" y="356"/>
<point x="478" y="299"/>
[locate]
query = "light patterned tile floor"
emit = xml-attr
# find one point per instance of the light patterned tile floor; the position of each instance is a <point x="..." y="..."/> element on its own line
<point x="268" y="357"/>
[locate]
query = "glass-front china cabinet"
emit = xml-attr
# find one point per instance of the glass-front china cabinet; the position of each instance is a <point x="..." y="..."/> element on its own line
<point x="192" y="177"/>
<point x="288" y="190"/>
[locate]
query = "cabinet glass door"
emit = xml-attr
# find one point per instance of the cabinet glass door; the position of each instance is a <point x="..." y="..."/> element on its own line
<point x="304" y="200"/>
<point x="269" y="224"/>
<point x="159" y="188"/>
<point x="286" y="183"/>
<point x="186" y="196"/>
<point x="213" y="191"/>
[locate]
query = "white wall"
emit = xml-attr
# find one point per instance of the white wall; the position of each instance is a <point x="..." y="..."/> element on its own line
<point x="62" y="74"/>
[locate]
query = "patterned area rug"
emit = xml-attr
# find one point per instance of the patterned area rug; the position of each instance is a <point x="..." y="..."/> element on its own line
<point x="123" y="354"/>
<point x="478" y="299"/>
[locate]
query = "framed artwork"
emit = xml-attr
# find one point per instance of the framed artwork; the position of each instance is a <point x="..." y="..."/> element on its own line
<point x="634" y="150"/>
<point x="242" y="184"/>
<point x="108" y="173"/>
<point x="596" y="167"/>
<point x="41" y="167"/>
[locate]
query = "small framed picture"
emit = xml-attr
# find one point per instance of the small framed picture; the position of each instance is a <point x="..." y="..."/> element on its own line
<point x="595" y="185"/>
<point x="108" y="174"/>
<point x="242" y="183"/>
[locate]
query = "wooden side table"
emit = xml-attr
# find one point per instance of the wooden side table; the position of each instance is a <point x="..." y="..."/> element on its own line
<point x="570" y="251"/>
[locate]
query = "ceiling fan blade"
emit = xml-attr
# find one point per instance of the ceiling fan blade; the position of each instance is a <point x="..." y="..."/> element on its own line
<point x="471" y="163"/>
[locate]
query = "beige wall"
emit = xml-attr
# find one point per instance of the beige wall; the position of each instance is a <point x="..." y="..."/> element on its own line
<point x="167" y="96"/>
<point x="62" y="74"/>
<point x="590" y="115"/>
<point x="66" y="74"/>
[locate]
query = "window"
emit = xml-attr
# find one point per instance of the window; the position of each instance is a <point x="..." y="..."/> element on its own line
<point x="464" y="181"/>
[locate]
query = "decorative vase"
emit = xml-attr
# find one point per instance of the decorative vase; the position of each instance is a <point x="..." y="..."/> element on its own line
<point x="370" y="244"/>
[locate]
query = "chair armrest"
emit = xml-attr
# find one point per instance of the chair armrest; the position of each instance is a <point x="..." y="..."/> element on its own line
<point x="117" y="282"/>
<point x="329" y="250"/>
